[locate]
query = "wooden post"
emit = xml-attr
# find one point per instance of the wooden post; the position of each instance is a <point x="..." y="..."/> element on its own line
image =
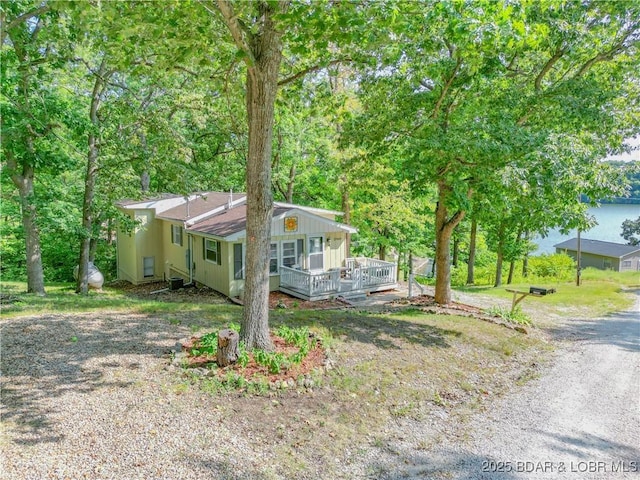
<point x="578" y="263"/>
<point x="227" y="352"/>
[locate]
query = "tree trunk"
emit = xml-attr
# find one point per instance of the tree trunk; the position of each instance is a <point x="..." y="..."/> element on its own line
<point x="227" y="352"/>
<point x="456" y="249"/>
<point x="145" y="176"/>
<point x="444" y="230"/>
<point x="472" y="252"/>
<point x="346" y="209"/>
<point x="264" y="53"/>
<point x="22" y="171"/>
<point x="500" y="260"/>
<point x="82" y="285"/>
<point x="525" y="260"/>
<point x="35" y="274"/>
<point x="512" y="266"/>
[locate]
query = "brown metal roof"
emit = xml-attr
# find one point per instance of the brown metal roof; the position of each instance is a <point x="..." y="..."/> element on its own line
<point x="201" y="204"/>
<point x="229" y="222"/>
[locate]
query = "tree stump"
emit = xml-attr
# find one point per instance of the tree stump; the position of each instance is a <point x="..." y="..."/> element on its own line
<point x="227" y="352"/>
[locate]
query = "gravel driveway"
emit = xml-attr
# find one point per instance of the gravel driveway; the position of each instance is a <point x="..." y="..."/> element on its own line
<point x="87" y="397"/>
<point x="580" y="420"/>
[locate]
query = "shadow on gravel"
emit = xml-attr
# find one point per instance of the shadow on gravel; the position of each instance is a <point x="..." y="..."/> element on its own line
<point x="381" y="331"/>
<point x="53" y="355"/>
<point x="590" y="447"/>
<point x="456" y="466"/>
<point x="50" y="356"/>
<point x="620" y="330"/>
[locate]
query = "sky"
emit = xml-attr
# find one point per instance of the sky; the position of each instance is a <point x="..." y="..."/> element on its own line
<point x="627" y="157"/>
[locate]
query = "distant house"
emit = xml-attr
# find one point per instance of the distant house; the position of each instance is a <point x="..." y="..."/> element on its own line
<point x="201" y="239"/>
<point x="602" y="255"/>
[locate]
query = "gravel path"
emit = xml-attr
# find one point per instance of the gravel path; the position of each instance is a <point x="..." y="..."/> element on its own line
<point x="86" y="396"/>
<point x="579" y="421"/>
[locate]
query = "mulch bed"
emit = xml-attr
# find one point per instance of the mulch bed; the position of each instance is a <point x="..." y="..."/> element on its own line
<point x="430" y="301"/>
<point x="315" y="359"/>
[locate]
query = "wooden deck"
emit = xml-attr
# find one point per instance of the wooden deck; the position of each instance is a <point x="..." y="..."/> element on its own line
<point x="357" y="278"/>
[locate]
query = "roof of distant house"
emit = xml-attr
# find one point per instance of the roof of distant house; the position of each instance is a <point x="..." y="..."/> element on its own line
<point x="598" y="247"/>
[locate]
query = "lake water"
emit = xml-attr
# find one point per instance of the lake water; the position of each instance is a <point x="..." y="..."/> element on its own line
<point x="608" y="229"/>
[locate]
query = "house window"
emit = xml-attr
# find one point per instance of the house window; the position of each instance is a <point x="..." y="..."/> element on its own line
<point x="212" y="251"/>
<point x="316" y="253"/>
<point x="289" y="257"/>
<point x="238" y="265"/>
<point x="626" y="264"/>
<point x="273" y="259"/>
<point x="176" y="235"/>
<point x="148" y="267"/>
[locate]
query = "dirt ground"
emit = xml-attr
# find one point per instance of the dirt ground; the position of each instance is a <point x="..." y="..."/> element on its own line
<point x="101" y="399"/>
<point x="160" y="291"/>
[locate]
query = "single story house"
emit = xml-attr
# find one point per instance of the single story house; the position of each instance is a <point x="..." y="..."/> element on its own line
<point x="602" y="255"/>
<point x="201" y="238"/>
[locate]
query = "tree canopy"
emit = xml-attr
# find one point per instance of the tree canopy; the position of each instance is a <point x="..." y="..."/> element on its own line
<point x="407" y="116"/>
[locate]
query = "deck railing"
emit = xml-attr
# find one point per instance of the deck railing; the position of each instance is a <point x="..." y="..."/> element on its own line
<point x="370" y="272"/>
<point x="310" y="283"/>
<point x="361" y="274"/>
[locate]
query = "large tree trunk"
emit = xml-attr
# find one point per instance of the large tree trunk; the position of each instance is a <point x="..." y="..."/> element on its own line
<point x="82" y="285"/>
<point x="35" y="274"/>
<point x="472" y="252"/>
<point x="22" y="171"/>
<point x="264" y="50"/>
<point x="444" y="230"/>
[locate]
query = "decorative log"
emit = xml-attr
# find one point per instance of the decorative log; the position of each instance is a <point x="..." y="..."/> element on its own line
<point x="227" y="352"/>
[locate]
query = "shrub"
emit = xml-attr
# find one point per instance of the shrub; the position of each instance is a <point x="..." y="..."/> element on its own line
<point x="557" y="266"/>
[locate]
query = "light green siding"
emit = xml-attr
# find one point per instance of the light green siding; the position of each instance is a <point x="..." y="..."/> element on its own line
<point x="210" y="273"/>
<point x="144" y="241"/>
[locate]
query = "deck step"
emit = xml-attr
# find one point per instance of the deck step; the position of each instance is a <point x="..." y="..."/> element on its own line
<point x="353" y="296"/>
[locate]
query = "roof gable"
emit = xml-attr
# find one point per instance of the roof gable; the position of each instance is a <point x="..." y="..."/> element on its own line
<point x="599" y="247"/>
<point x="231" y="224"/>
<point x="224" y="215"/>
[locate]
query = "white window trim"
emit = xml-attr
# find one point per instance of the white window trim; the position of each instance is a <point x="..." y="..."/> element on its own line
<point x="295" y="252"/>
<point x="215" y="250"/>
<point x="277" y="258"/>
<point x="176" y="238"/>
<point x="308" y="254"/>
<point x="153" y="267"/>
<point x="242" y="270"/>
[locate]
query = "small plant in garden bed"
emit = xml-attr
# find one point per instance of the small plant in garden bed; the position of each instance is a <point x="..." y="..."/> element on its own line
<point x="512" y="316"/>
<point x="297" y="353"/>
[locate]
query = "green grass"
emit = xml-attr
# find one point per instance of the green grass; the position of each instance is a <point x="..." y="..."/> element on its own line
<point x="601" y="292"/>
<point x="62" y="298"/>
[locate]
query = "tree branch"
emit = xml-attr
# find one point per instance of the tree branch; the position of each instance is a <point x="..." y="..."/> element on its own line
<point x="548" y="66"/>
<point x="235" y="27"/>
<point x="445" y="89"/>
<point x="617" y="48"/>
<point x="21" y="18"/>
<point x="308" y="70"/>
